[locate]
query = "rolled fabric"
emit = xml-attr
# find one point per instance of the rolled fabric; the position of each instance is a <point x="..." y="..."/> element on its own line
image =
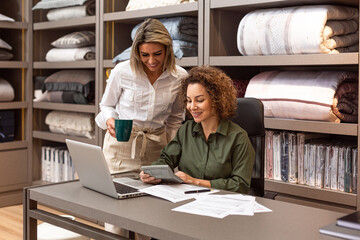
<point x="307" y="95"/>
<point x="299" y="30"/>
<point x="345" y="104"/>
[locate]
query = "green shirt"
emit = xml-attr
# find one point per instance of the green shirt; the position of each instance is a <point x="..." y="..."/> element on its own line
<point x="226" y="159"/>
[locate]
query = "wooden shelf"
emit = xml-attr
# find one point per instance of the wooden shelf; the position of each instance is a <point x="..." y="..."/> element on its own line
<point x="68" y="65"/>
<point x="287" y="60"/>
<point x="4" y="146"/>
<point x="13" y="64"/>
<point x="184" y="62"/>
<point x="350" y="129"/>
<point x="321" y="194"/>
<point x="65" y="107"/>
<point x="186" y="9"/>
<point x="55" y="137"/>
<point x="13" y="25"/>
<point x="68" y="23"/>
<point x="13" y="105"/>
<point x="238" y="5"/>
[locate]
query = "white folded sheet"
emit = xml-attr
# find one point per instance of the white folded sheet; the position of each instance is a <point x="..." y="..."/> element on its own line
<point x="298" y="30"/>
<point x="70" y="54"/>
<point x="307" y="95"/>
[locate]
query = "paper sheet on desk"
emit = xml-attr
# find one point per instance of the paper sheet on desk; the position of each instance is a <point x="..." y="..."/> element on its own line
<point x="175" y="192"/>
<point x="220" y="206"/>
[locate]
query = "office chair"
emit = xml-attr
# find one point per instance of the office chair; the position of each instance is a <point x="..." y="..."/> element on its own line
<point x="250" y="116"/>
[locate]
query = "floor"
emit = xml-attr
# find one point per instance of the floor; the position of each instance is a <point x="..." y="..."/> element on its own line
<point x="11" y="222"/>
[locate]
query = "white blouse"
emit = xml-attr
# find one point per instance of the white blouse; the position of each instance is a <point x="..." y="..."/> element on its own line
<point x="128" y="96"/>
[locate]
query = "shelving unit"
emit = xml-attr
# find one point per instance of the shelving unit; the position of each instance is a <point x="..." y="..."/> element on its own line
<point x="116" y="25"/>
<point x="222" y="18"/>
<point x="44" y="33"/>
<point x="15" y="171"/>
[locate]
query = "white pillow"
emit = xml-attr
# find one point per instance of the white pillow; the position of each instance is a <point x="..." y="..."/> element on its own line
<point x="5" y="18"/>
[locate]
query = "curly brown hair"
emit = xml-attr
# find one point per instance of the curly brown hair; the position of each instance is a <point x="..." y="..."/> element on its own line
<point x="217" y="84"/>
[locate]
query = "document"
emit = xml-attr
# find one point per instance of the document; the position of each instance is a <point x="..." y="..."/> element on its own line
<point x="220" y="206"/>
<point x="176" y="192"/>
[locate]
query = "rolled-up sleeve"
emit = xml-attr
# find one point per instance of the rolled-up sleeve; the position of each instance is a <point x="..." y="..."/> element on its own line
<point x="108" y="102"/>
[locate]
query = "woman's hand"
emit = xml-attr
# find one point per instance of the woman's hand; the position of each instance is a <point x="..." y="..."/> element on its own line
<point x="146" y="178"/>
<point x="187" y="178"/>
<point x="110" y="123"/>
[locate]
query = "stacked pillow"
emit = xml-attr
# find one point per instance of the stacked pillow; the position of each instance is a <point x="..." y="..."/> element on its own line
<point x="68" y="86"/>
<point x="6" y="91"/>
<point x="4" y="53"/>
<point x="73" y="47"/>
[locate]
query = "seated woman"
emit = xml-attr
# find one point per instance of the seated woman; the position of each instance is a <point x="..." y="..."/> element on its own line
<point x="209" y="150"/>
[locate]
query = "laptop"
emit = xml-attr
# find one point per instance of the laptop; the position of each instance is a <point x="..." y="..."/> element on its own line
<point x="93" y="172"/>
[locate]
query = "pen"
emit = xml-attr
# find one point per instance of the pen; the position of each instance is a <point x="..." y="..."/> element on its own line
<point x="197" y="191"/>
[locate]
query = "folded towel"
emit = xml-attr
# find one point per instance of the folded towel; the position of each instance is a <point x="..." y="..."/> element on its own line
<point x="70" y="54"/>
<point x="308" y="95"/>
<point x="298" y="30"/>
<point x="345" y="105"/>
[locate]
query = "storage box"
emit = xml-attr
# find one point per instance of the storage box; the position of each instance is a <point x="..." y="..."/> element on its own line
<point x="7" y="125"/>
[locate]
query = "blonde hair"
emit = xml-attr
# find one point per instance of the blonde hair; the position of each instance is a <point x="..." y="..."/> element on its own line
<point x="152" y="31"/>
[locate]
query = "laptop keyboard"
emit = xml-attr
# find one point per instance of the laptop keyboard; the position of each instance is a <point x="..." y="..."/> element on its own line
<point x="123" y="189"/>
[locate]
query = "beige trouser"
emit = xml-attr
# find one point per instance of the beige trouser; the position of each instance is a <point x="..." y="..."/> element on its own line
<point x="143" y="148"/>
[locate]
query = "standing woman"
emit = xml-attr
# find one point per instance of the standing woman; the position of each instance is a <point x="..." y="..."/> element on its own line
<point x="144" y="89"/>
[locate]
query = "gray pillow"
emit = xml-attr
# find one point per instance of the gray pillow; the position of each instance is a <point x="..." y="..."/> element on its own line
<point x="5" y="45"/>
<point x="75" y="40"/>
<point x="5" y="55"/>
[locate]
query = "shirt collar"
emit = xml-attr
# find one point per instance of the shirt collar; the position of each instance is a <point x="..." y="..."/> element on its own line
<point x="222" y="128"/>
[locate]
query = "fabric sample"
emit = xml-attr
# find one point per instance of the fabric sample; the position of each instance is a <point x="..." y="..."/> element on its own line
<point x="293" y="160"/>
<point x="75" y="40"/>
<point x="81" y="81"/>
<point x="88" y="9"/>
<point x="6" y="91"/>
<point x="298" y="30"/>
<point x="72" y="123"/>
<point x="5" y="55"/>
<point x="300" y="139"/>
<point x="307" y="95"/>
<point x="269" y="154"/>
<point x="70" y="54"/>
<point x="320" y="165"/>
<point x="143" y="4"/>
<point x="6" y="18"/>
<point x="5" y="45"/>
<point x="354" y="170"/>
<point x="284" y="156"/>
<point x="48" y="4"/>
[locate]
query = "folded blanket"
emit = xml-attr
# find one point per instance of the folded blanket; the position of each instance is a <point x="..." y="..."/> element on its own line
<point x="88" y="9"/>
<point x="48" y="4"/>
<point x="72" y="123"/>
<point x="180" y="28"/>
<point x="142" y="4"/>
<point x="6" y="91"/>
<point x="70" y="54"/>
<point x="298" y="30"/>
<point x="81" y="81"/>
<point x="62" y="97"/>
<point x="305" y="95"/>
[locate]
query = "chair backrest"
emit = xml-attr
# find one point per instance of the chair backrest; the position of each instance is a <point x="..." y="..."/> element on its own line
<point x="250" y="116"/>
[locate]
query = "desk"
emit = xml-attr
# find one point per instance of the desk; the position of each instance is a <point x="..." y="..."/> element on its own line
<point x="153" y="217"/>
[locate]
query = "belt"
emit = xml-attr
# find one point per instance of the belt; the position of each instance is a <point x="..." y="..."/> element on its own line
<point x="146" y="135"/>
